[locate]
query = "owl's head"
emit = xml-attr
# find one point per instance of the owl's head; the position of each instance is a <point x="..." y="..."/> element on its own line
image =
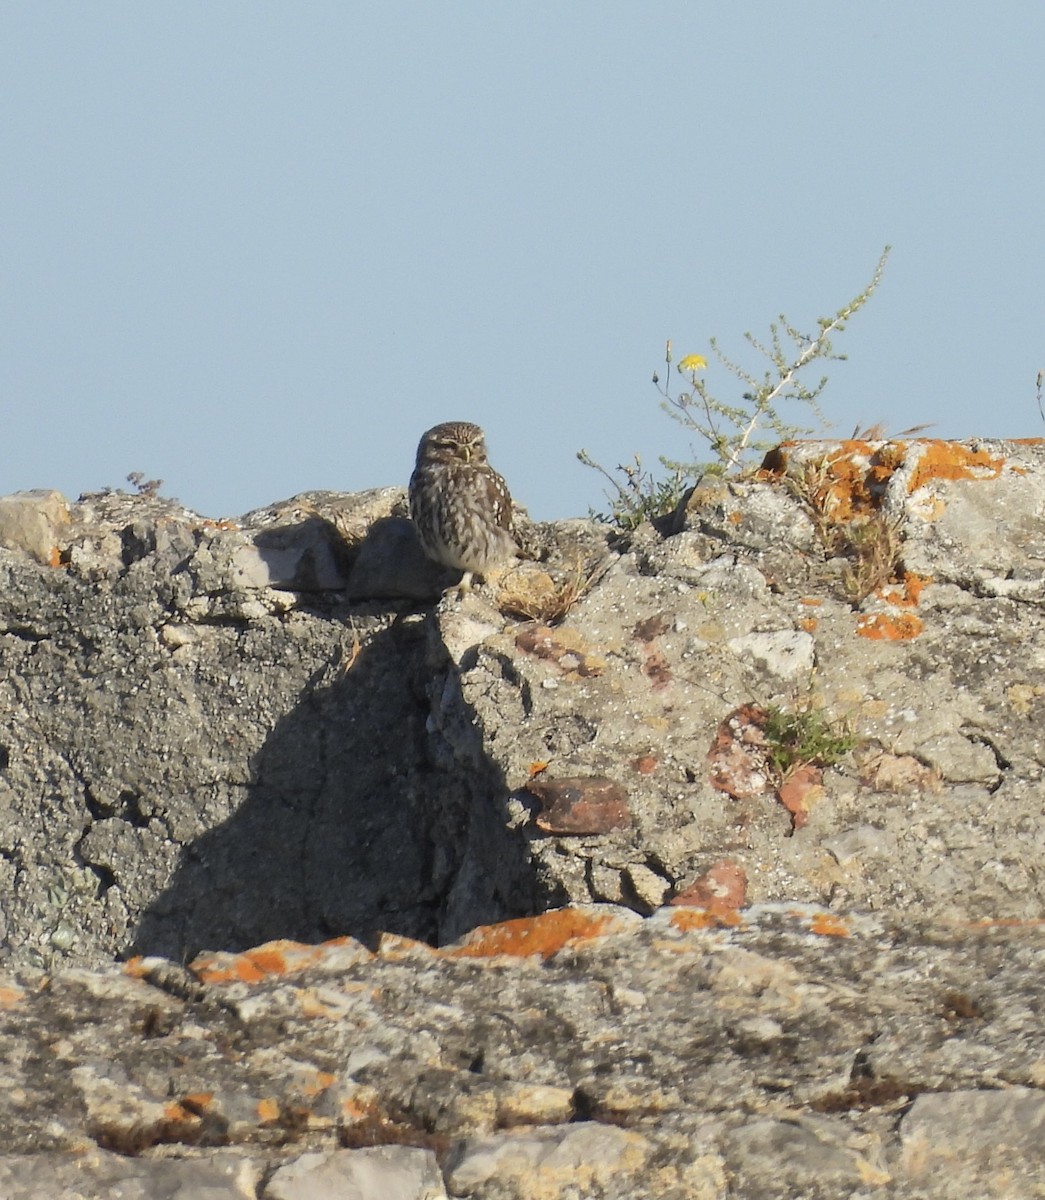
<point x="453" y="441"/>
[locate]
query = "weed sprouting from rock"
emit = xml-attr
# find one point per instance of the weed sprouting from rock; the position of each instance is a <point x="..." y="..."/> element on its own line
<point x="730" y="430"/>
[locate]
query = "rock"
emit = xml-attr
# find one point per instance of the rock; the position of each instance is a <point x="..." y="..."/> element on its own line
<point x="274" y="740"/>
<point x="580" y="804"/>
<point x="392" y="565"/>
<point x="585" y="1159"/>
<point x="787" y="653"/>
<point x="792" y="1051"/>
<point x="391" y="1172"/>
<point x="722" y="888"/>
<point x="34" y="522"/>
<point x="977" y="1140"/>
<point x="97" y="1175"/>
<point x="804" y="1156"/>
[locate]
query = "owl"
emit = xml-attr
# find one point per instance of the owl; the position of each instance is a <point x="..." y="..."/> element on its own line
<point x="459" y="504"/>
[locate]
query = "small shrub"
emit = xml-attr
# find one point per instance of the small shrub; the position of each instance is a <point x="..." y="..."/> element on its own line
<point x="730" y="429"/>
<point x="873" y="547"/>
<point x="870" y="541"/>
<point x="638" y="494"/>
<point x="145" y="487"/>
<point x="805" y="735"/>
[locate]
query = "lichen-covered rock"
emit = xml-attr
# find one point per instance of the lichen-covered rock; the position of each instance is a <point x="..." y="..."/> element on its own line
<point x="776" y="1052"/>
<point x="249" y="737"/>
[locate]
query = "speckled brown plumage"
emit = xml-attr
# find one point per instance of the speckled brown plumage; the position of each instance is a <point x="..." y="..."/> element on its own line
<point x="458" y="502"/>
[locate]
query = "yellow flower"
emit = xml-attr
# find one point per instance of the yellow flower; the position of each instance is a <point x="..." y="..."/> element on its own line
<point x="692" y="363"/>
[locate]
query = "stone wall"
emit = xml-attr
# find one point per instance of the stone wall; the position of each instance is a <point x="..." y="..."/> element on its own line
<point x="222" y="735"/>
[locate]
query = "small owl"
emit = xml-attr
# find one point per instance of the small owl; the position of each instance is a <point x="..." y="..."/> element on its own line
<point x="458" y="502"/>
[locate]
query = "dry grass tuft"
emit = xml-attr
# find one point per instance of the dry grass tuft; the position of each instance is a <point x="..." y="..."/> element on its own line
<point x="536" y="596"/>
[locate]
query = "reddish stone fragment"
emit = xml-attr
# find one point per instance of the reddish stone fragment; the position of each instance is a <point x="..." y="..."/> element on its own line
<point x="645" y="765"/>
<point x="721" y="887"/>
<point x="737" y="757"/>
<point x="652" y="627"/>
<point x="799" y="791"/>
<point x="580" y="804"/>
<point x="656" y="669"/>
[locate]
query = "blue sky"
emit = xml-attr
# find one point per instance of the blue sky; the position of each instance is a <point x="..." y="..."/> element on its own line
<point x="255" y="248"/>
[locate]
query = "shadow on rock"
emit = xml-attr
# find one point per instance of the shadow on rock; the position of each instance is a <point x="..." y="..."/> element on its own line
<point x="356" y="821"/>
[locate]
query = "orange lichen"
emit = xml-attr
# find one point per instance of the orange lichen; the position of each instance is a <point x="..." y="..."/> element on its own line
<point x="265" y="960"/>
<point x="809" y="624"/>
<point x="355" y="1109"/>
<point x="10" y="997"/>
<point x="907" y="592"/>
<point x="915" y="584"/>
<point x="952" y="460"/>
<point x="544" y="934"/>
<point x="318" y="1084"/>
<point x="851" y="479"/>
<point x="241" y="968"/>
<point x="811" y="601"/>
<point x="268" y="1110"/>
<point x="281" y="957"/>
<point x="710" y="916"/>
<point x="828" y="925"/>
<point x="178" y="1113"/>
<point x="885" y="627"/>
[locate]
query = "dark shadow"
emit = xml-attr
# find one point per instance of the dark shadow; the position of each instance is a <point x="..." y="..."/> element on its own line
<point x="355" y="822"/>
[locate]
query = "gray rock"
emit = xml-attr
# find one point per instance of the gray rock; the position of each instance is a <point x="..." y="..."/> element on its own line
<point x="976" y="1140"/>
<point x="34" y="522"/>
<point x="583" y="1158"/>
<point x="391" y="1172"/>
<point x="247" y="737"/>
<point x="787" y="653"/>
<point x="392" y="566"/>
<point x="91" y="1174"/>
<point x="584" y="1051"/>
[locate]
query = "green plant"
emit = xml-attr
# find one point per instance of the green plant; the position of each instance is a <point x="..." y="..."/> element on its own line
<point x="729" y="429"/>
<point x="638" y="494"/>
<point x="804" y="735"/>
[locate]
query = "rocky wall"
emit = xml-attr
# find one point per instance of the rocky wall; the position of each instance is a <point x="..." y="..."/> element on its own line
<point x="226" y="735"/>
